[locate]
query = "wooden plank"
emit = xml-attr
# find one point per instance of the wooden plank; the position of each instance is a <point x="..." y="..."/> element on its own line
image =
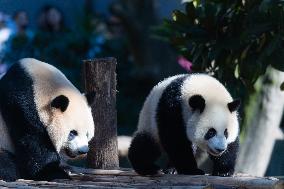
<point x="161" y="181"/>
<point x="100" y="77"/>
<point x="185" y="180"/>
<point x="127" y="178"/>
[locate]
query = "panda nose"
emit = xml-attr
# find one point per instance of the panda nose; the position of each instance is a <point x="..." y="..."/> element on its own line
<point x="220" y="150"/>
<point x="83" y="150"/>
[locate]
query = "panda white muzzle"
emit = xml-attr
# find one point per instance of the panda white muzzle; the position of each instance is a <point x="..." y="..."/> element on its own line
<point x="77" y="145"/>
<point x="217" y="145"/>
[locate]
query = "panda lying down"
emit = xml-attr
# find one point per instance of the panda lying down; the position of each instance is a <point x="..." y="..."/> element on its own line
<point x="183" y="113"/>
<point x="41" y="115"/>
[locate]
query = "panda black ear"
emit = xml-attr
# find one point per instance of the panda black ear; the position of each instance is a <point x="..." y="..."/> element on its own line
<point x="60" y="102"/>
<point x="234" y="106"/>
<point x="197" y="102"/>
<point x="90" y="97"/>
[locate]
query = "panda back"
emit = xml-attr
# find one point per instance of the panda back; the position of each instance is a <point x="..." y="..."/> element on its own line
<point x="148" y="115"/>
<point x="48" y="83"/>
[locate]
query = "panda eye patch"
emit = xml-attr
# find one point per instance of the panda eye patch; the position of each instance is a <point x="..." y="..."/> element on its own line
<point x="72" y="135"/>
<point x="210" y="133"/>
<point x="226" y="133"/>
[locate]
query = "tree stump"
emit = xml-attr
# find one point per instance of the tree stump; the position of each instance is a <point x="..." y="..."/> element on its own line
<point x="100" y="77"/>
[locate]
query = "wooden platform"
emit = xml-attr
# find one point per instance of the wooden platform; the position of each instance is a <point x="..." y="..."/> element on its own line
<point x="89" y="178"/>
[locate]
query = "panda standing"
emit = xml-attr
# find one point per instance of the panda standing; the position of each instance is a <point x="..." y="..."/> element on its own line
<point x="182" y="113"/>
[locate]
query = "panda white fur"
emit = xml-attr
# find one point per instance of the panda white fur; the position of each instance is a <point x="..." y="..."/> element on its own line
<point x="181" y="113"/>
<point x="41" y="115"/>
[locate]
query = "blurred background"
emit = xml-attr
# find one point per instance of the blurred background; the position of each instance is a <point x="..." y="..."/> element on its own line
<point x="238" y="42"/>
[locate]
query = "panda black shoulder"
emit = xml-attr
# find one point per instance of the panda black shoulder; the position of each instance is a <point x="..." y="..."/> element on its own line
<point x="170" y="101"/>
<point x="169" y="110"/>
<point x="16" y="87"/>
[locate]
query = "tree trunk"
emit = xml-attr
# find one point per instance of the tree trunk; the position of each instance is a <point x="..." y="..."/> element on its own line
<point x="100" y="77"/>
<point x="264" y="129"/>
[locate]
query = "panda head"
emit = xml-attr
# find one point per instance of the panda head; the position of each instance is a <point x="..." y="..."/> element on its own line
<point x="71" y="125"/>
<point x="213" y="124"/>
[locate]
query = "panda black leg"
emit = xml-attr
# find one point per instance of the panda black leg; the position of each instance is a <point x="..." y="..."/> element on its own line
<point x="143" y="152"/>
<point x="181" y="155"/>
<point x="224" y="165"/>
<point x="8" y="168"/>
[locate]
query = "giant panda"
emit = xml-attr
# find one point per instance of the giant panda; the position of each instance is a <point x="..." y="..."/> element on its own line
<point x="42" y="115"/>
<point x="181" y="114"/>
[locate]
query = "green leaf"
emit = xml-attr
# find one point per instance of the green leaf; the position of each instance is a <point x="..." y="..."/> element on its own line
<point x="237" y="72"/>
<point x="195" y="2"/>
<point x="282" y="86"/>
<point x="180" y="17"/>
<point x="190" y="11"/>
<point x="276" y="60"/>
<point x="264" y="5"/>
<point x="257" y="29"/>
<point x="178" y="41"/>
<point x="272" y="51"/>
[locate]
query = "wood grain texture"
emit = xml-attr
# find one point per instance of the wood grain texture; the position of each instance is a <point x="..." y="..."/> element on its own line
<point x="100" y="77"/>
<point x="94" y="178"/>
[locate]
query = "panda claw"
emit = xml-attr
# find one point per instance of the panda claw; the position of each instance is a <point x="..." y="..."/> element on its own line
<point x="50" y="174"/>
<point x="170" y="171"/>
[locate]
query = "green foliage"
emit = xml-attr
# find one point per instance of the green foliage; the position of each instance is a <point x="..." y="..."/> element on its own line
<point x="234" y="39"/>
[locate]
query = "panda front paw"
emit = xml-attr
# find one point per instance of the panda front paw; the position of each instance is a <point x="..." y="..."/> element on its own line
<point x="147" y="170"/>
<point x="60" y="175"/>
<point x="52" y="174"/>
<point x="170" y="171"/>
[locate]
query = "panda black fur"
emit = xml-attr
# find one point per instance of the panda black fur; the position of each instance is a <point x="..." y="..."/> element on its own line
<point x="41" y="115"/>
<point x="181" y="113"/>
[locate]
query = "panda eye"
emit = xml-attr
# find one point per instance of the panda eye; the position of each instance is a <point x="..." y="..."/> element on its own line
<point x="226" y="133"/>
<point x="72" y="135"/>
<point x="210" y="133"/>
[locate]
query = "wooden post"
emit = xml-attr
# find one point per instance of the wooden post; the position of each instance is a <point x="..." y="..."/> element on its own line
<point x="100" y="77"/>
